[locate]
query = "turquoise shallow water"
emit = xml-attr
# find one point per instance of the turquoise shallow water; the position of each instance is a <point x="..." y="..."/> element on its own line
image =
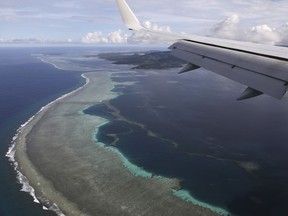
<point x="26" y="85"/>
<point x="227" y="153"/>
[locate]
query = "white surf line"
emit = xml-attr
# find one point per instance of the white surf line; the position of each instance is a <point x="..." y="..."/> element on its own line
<point x="21" y="178"/>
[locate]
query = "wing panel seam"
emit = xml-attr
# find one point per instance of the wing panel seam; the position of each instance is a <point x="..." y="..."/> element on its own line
<point x="239" y="50"/>
<point x="232" y="65"/>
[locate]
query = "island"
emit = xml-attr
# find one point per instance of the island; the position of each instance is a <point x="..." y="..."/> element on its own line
<point x="72" y="173"/>
<point x="145" y="60"/>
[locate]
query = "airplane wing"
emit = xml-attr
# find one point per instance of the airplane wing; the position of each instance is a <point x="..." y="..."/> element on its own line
<point x="262" y="68"/>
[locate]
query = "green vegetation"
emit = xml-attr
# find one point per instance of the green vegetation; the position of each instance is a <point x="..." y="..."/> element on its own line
<point x="148" y="60"/>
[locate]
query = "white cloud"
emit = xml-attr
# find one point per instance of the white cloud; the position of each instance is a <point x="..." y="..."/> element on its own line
<point x="115" y="37"/>
<point x="230" y="28"/>
<point x="283" y="33"/>
<point x="144" y="37"/>
<point x="153" y="26"/>
<point x="226" y="29"/>
<point x="262" y="33"/>
<point x="34" y="18"/>
<point x="94" y="37"/>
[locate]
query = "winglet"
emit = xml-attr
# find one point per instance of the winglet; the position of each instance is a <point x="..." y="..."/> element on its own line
<point x="128" y="16"/>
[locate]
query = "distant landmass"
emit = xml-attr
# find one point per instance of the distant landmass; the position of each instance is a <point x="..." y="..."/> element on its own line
<point x="147" y="60"/>
<point x="138" y="142"/>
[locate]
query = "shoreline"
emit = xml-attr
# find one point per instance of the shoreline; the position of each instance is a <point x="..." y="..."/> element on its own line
<point x="12" y="153"/>
<point x="37" y="181"/>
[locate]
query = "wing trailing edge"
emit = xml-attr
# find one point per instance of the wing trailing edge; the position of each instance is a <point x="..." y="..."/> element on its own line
<point x="263" y="68"/>
<point x="258" y="72"/>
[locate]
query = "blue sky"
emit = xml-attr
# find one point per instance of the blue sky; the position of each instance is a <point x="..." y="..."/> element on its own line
<point x="62" y="20"/>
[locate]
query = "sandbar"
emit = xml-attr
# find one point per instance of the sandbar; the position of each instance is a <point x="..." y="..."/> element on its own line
<point x="69" y="169"/>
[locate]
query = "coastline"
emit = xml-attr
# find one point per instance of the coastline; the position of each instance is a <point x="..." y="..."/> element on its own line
<point x="142" y="126"/>
<point x="22" y="165"/>
<point x="45" y="190"/>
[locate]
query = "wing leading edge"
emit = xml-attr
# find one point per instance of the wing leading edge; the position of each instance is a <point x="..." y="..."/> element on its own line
<point x="263" y="68"/>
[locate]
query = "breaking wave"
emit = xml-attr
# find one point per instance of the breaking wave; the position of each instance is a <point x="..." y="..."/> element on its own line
<point x="21" y="178"/>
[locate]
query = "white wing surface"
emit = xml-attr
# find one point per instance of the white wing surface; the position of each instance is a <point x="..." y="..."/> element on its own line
<point x="263" y="68"/>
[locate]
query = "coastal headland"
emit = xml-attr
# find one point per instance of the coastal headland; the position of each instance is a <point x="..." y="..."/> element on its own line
<point x="74" y="174"/>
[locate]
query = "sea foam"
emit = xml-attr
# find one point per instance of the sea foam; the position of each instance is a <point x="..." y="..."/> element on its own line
<point x="21" y="178"/>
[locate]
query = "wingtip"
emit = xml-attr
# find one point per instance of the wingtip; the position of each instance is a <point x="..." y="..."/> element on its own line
<point x="128" y="16"/>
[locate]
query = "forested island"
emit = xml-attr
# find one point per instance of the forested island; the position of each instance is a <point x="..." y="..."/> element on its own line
<point x="145" y="60"/>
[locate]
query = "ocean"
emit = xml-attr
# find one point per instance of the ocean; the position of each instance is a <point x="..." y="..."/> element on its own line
<point x="26" y="85"/>
<point x="226" y="153"/>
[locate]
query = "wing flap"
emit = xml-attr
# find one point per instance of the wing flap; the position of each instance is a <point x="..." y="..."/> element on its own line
<point x="263" y="68"/>
<point x="274" y="67"/>
<point x="232" y="69"/>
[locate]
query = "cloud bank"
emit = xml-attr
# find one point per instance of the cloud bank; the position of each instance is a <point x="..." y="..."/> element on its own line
<point x="118" y="37"/>
<point x="144" y="37"/>
<point x="230" y="28"/>
<point x="61" y="19"/>
<point x="263" y="33"/>
<point x="115" y="37"/>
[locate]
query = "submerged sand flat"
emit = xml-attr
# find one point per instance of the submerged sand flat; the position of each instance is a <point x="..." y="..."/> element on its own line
<point x="58" y="153"/>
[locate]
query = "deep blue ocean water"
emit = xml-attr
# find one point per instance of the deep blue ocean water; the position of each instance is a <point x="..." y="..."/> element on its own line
<point x="26" y="84"/>
<point x="230" y="154"/>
